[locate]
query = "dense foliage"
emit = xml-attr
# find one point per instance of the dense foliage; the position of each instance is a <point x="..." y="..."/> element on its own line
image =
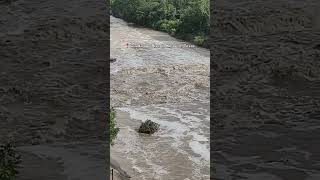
<point x="113" y="129"/>
<point x="186" y="19"/>
<point x="9" y="162"/>
<point x="149" y="127"/>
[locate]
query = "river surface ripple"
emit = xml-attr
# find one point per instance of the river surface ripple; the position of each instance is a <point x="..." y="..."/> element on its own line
<point x="166" y="80"/>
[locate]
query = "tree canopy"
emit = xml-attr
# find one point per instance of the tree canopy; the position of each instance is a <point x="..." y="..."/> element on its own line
<point x="185" y="19"/>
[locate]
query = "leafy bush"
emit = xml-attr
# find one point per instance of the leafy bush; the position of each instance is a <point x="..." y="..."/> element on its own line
<point x="113" y="129"/>
<point x="169" y="26"/>
<point x="149" y="127"/>
<point x="9" y="162"/>
<point x="184" y="19"/>
<point x="195" y="18"/>
<point x="201" y="40"/>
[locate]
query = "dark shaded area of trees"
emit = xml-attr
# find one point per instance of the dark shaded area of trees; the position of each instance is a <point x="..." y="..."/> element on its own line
<point x="184" y="19"/>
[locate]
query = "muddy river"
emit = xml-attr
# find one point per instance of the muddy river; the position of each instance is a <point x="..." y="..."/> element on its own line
<point x="166" y="80"/>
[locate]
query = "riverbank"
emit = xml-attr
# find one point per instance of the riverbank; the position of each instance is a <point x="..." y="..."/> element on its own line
<point x="186" y="20"/>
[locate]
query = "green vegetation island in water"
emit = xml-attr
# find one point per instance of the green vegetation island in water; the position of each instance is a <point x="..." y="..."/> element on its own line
<point x="184" y="19"/>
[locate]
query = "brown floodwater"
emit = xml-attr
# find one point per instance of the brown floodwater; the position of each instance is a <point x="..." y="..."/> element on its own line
<point x="166" y="80"/>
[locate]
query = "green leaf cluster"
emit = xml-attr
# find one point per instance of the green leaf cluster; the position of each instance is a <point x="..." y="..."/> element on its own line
<point x="113" y="129"/>
<point x="185" y="19"/>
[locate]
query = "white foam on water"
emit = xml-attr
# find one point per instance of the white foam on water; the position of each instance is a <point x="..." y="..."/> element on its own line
<point x="131" y="146"/>
<point x="139" y="170"/>
<point x="201" y="149"/>
<point x="178" y="125"/>
<point x="184" y="130"/>
<point x="175" y="129"/>
<point x="148" y="54"/>
<point x="198" y="138"/>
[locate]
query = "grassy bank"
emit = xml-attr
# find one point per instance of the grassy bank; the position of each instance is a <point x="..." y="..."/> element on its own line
<point x="184" y="19"/>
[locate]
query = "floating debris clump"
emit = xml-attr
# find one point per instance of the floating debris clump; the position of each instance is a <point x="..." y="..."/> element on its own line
<point x="149" y="127"/>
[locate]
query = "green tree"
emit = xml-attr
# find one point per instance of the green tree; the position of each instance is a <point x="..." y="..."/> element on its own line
<point x="186" y="19"/>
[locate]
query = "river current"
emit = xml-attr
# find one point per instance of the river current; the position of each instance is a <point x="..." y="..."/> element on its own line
<point x="166" y="80"/>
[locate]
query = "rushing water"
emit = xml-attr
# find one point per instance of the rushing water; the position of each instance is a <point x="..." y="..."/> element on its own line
<point x="166" y="80"/>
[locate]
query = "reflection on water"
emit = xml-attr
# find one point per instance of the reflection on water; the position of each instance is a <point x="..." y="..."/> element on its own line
<point x="179" y="103"/>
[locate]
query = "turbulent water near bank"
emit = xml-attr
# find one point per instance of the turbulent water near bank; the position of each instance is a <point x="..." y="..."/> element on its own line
<point x="160" y="78"/>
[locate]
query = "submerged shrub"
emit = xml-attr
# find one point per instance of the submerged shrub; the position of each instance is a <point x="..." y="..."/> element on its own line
<point x="9" y="162"/>
<point x="149" y="127"/>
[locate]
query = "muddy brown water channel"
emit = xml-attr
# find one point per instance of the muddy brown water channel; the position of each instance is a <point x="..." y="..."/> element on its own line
<point x="166" y="80"/>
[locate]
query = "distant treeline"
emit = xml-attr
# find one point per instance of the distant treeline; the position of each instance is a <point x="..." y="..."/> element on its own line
<point x="184" y="19"/>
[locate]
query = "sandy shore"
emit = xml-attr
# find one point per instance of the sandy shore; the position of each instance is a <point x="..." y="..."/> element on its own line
<point x="53" y="85"/>
<point x="265" y="102"/>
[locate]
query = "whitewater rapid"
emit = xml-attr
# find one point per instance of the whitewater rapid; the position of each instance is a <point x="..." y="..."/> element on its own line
<point x="166" y="80"/>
